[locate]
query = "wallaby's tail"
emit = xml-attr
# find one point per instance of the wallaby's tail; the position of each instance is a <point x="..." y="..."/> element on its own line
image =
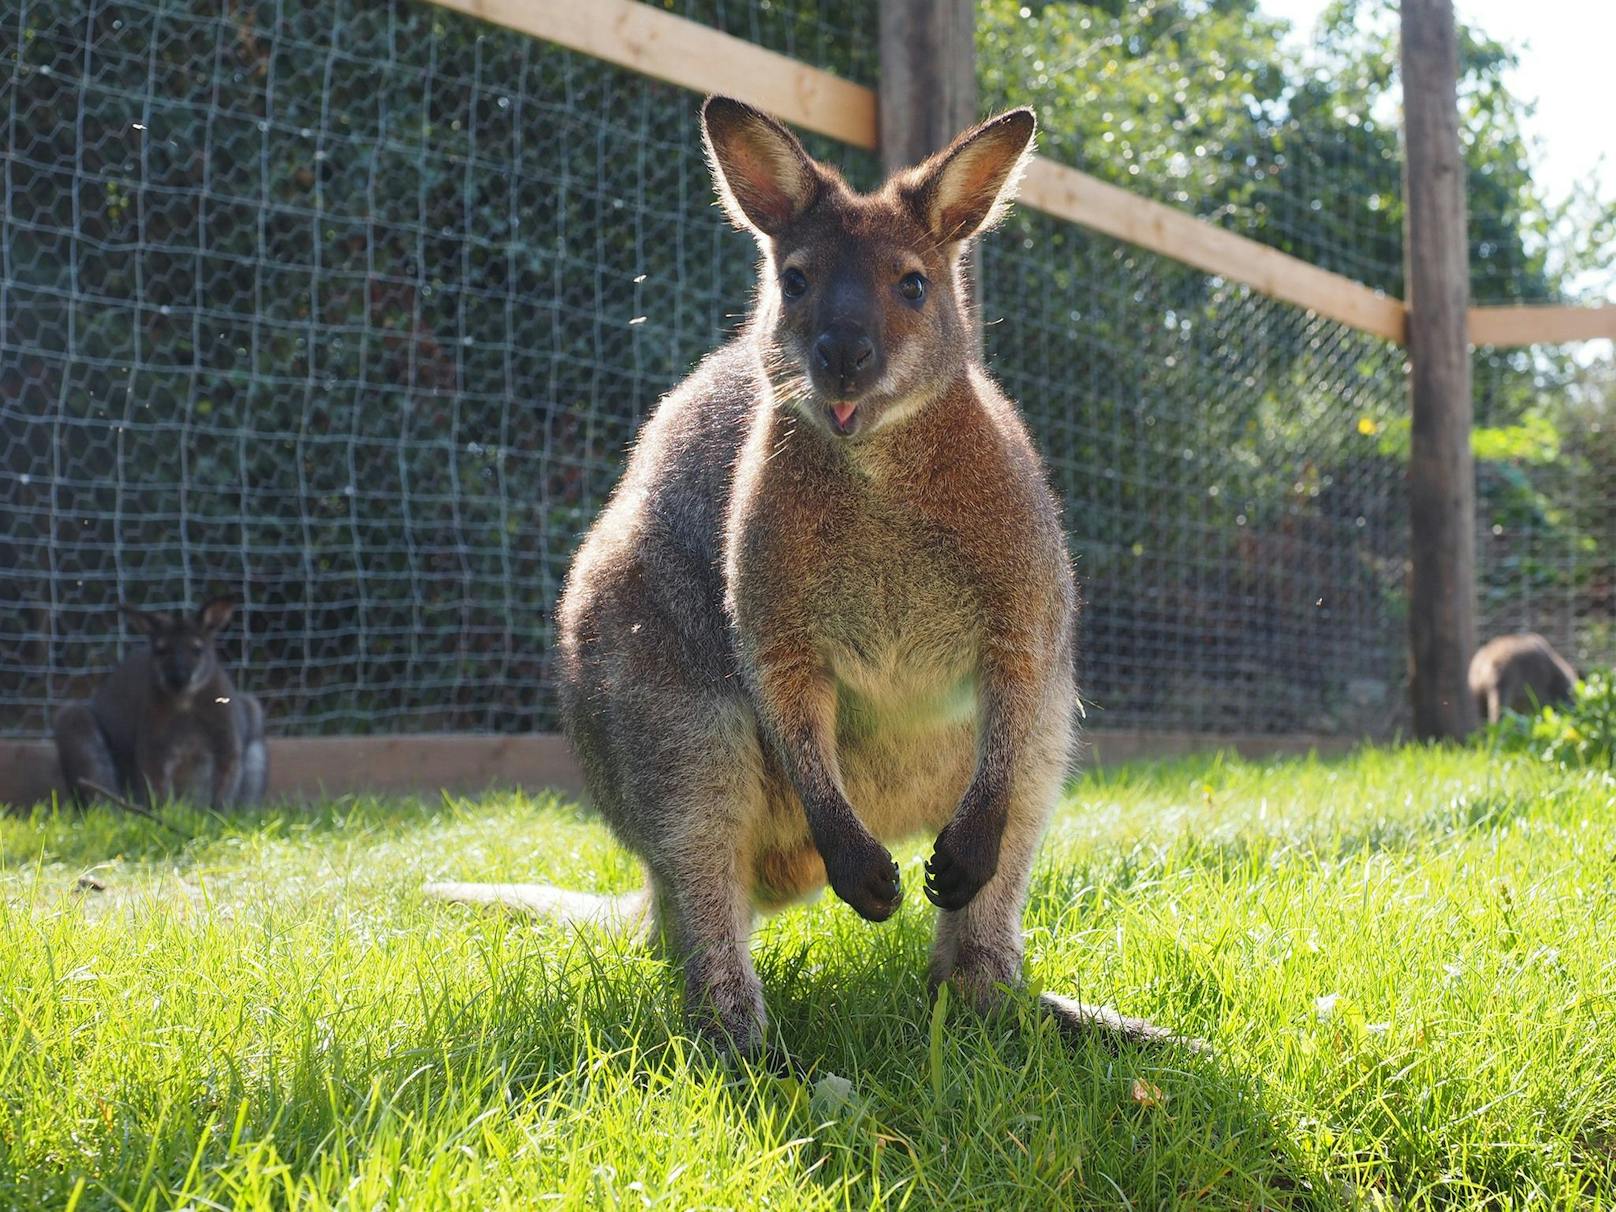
<point x="625" y="913"/>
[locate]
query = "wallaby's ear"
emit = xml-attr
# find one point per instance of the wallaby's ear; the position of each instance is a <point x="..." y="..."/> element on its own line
<point x="966" y="187"/>
<point x="139" y="620"/>
<point x="765" y="179"/>
<point x="216" y="614"/>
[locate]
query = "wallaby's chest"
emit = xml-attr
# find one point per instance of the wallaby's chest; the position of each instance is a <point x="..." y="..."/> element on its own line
<point x="898" y="624"/>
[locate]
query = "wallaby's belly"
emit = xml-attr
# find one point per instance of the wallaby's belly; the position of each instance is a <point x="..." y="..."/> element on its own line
<point x="906" y="730"/>
<point x="187" y="767"/>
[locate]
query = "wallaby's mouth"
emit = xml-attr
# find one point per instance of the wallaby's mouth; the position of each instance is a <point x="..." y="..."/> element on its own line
<point x="843" y="415"/>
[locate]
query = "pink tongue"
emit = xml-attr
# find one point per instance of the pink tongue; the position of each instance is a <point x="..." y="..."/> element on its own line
<point x="843" y="412"/>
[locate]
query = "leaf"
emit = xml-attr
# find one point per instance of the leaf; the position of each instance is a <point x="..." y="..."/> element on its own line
<point x="1147" y="1094"/>
<point x="939" y="1018"/>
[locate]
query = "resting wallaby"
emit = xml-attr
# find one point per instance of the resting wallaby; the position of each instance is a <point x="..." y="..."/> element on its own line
<point x="1519" y="673"/>
<point x="167" y="722"/>
<point x="830" y="603"/>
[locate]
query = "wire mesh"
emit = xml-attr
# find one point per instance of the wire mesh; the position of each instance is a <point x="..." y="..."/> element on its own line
<point x="1208" y="108"/>
<point x="1545" y="442"/>
<point x="1237" y="516"/>
<point x="350" y="310"/>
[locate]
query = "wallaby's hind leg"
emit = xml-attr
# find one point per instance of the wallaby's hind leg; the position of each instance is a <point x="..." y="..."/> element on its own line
<point x="84" y="754"/>
<point x="705" y="919"/>
<point x="254" y="754"/>
<point x="979" y="948"/>
<point x="697" y="782"/>
<point x="254" y="773"/>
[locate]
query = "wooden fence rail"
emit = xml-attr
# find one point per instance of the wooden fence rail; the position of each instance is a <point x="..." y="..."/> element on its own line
<point x="684" y="52"/>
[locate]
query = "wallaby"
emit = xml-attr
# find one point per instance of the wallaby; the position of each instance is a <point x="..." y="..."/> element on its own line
<point x="168" y="723"/>
<point x="1519" y="673"/>
<point x="830" y="603"/>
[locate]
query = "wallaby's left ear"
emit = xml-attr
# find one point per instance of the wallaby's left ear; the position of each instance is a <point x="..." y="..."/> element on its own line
<point x="765" y="180"/>
<point x="216" y="613"/>
<point x="966" y="188"/>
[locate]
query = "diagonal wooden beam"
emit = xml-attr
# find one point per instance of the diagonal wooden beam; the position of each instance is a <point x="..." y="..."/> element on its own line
<point x="679" y="51"/>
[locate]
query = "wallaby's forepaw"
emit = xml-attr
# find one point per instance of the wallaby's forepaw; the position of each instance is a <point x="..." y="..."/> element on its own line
<point x="962" y="861"/>
<point x="863" y="874"/>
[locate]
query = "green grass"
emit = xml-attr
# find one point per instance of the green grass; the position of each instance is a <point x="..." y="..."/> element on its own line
<point x="1405" y="962"/>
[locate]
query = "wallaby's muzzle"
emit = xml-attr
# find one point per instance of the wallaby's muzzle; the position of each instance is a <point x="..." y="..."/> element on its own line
<point x="846" y="363"/>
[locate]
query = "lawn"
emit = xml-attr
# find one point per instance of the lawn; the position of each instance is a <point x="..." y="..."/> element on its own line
<point x="1404" y="961"/>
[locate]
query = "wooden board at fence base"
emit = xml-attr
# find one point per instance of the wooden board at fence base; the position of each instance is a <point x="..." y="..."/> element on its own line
<point x="308" y="768"/>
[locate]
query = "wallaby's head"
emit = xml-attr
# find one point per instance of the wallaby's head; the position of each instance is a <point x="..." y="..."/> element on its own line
<point x="183" y="656"/>
<point x="861" y="307"/>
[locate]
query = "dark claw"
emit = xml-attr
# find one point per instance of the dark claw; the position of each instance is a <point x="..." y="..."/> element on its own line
<point x="868" y="882"/>
<point x="951" y="884"/>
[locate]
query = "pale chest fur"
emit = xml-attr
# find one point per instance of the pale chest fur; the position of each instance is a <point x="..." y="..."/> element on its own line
<point x="896" y="616"/>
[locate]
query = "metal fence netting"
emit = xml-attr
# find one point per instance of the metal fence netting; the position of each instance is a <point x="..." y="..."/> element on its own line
<point x="1237" y="517"/>
<point x="348" y="310"/>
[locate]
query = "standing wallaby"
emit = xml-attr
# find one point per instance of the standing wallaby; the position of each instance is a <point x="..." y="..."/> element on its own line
<point x="830" y="603"/>
<point x="1519" y="673"/>
<point x="168" y="723"/>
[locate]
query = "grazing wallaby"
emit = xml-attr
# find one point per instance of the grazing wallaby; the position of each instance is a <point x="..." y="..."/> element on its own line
<point x="830" y="603"/>
<point x="168" y="722"/>
<point x="1519" y="673"/>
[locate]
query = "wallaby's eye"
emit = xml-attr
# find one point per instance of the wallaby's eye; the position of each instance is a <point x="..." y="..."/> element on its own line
<point x="913" y="287"/>
<point x="793" y="283"/>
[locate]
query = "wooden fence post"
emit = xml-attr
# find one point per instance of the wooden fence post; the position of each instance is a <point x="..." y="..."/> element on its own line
<point x="1441" y="471"/>
<point x="928" y="85"/>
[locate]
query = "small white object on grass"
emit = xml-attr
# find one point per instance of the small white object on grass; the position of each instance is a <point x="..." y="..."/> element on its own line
<point x="832" y="1095"/>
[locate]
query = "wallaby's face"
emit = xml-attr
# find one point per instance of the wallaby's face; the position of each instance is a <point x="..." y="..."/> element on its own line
<point x="183" y="656"/>
<point x="859" y="300"/>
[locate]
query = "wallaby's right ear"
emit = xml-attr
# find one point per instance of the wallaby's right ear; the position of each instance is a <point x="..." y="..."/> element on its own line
<point x="138" y="620"/>
<point x="966" y="188"/>
<point x="765" y="179"/>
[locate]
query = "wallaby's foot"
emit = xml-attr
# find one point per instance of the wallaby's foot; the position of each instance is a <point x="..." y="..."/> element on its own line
<point x="978" y="975"/>
<point x="862" y="873"/>
<point x="963" y="861"/>
<point x="725" y="1007"/>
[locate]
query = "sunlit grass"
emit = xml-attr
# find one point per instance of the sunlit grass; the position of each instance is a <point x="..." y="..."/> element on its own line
<point x="1405" y="962"/>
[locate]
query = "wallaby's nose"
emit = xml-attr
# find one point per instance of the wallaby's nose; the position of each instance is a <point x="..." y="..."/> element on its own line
<point x="844" y="355"/>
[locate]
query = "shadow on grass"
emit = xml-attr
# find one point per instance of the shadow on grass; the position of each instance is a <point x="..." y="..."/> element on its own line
<point x="583" y="1033"/>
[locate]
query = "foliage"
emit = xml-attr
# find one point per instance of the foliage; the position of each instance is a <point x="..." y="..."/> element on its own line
<point x="1582" y="733"/>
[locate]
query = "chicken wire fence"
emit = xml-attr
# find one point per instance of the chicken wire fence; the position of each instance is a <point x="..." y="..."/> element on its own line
<point x="350" y="310"/>
<point x="1545" y="443"/>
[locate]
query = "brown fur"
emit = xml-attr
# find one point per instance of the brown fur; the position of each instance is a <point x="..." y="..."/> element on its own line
<point x="168" y="722"/>
<point x="796" y="634"/>
<point x="1519" y="673"/>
